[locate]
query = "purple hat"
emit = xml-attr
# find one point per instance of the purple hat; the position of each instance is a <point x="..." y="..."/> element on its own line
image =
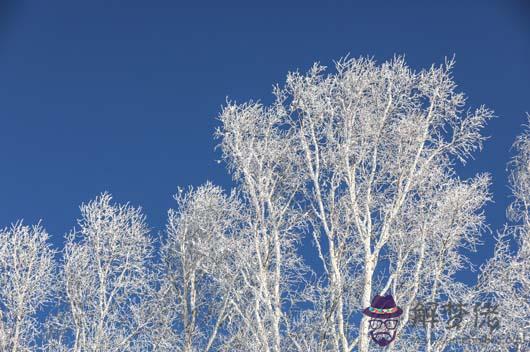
<point x="383" y="307"/>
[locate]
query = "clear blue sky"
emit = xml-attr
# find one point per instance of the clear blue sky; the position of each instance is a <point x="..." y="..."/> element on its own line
<point x="122" y="95"/>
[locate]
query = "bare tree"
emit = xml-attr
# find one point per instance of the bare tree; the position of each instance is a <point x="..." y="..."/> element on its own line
<point x="108" y="286"/>
<point x="505" y="278"/>
<point x="257" y="151"/>
<point x="375" y="147"/>
<point x="360" y="161"/>
<point x="27" y="274"/>
<point x="197" y="265"/>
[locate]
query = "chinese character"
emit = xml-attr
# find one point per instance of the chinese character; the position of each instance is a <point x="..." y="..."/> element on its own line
<point x="489" y="314"/>
<point x="424" y="314"/>
<point x="456" y="313"/>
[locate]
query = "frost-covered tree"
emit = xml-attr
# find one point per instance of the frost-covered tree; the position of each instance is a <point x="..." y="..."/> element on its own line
<point x="358" y="161"/>
<point x="258" y="154"/>
<point x="368" y="154"/>
<point x="505" y="278"/>
<point x="197" y="259"/>
<point x="109" y="289"/>
<point x="27" y="274"/>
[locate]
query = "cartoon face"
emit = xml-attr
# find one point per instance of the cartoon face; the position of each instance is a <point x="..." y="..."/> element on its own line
<point x="383" y="331"/>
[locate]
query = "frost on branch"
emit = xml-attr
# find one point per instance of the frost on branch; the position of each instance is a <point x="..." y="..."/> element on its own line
<point x="366" y="155"/>
<point x="199" y="258"/>
<point x="505" y="278"/>
<point x="108" y="285"/>
<point x="344" y="187"/>
<point x="27" y="274"/>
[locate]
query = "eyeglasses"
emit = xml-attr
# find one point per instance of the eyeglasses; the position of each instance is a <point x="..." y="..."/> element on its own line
<point x="390" y="324"/>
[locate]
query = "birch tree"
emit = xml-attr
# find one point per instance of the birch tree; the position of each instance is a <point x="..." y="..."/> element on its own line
<point x="197" y="259"/>
<point x="108" y="286"/>
<point x="375" y="146"/>
<point x="27" y="273"/>
<point x="447" y="228"/>
<point x="505" y="278"/>
<point x="345" y="187"/>
<point x="257" y="151"/>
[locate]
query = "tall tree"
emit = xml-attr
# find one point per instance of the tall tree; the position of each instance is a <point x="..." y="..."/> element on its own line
<point x="505" y="278"/>
<point x="27" y="274"/>
<point x="368" y="152"/>
<point x="197" y="258"/>
<point x="360" y="161"/>
<point x="257" y="150"/>
<point x="108" y="286"/>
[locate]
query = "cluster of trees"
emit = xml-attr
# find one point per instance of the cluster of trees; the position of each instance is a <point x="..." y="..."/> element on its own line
<point x="345" y="187"/>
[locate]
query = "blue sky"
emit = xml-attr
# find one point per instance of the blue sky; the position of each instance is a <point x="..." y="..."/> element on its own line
<point x="122" y="96"/>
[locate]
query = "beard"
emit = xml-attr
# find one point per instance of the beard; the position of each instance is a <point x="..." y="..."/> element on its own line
<point x="382" y="338"/>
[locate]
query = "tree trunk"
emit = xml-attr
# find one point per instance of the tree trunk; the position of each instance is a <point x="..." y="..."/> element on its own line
<point x="367" y="295"/>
